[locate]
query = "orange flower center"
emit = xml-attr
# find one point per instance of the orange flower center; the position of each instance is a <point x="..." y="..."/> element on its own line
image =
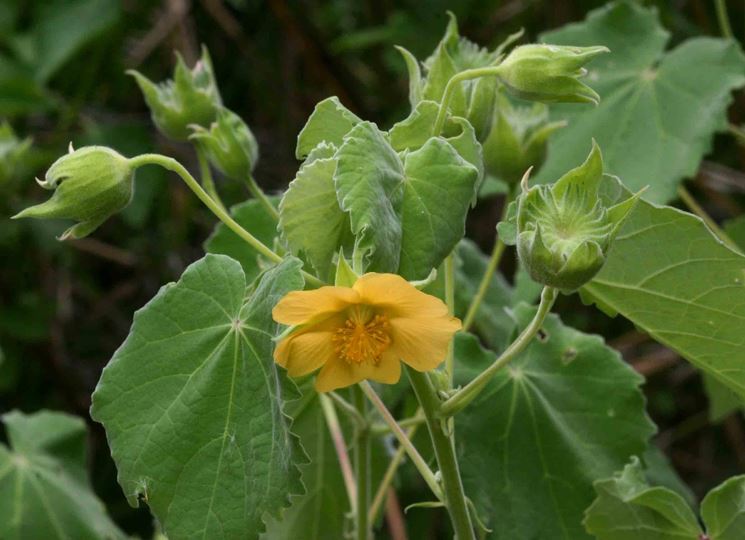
<point x="363" y="338"/>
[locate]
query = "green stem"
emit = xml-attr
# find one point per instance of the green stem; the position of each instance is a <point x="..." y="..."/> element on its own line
<point x="382" y="429"/>
<point x="390" y="473"/>
<point x="362" y="469"/>
<point x="738" y="133"/>
<point x="206" y="176"/>
<point x="174" y="166"/>
<point x="467" y="394"/>
<point x="259" y="194"/>
<point x="724" y="26"/>
<point x="337" y="437"/>
<point x="350" y="410"/>
<point x="454" y="496"/>
<point x="491" y="267"/>
<point x="411" y="450"/>
<point x="697" y="209"/>
<point x="450" y="301"/>
<point x="450" y="88"/>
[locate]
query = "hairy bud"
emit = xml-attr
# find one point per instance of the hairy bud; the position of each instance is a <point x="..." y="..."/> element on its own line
<point x="192" y="97"/>
<point x="90" y="185"/>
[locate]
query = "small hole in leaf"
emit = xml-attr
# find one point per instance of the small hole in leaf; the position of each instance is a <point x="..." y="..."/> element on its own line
<point x="568" y="355"/>
<point x="542" y="336"/>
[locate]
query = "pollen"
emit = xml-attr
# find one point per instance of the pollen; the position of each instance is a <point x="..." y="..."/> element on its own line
<point x="363" y="338"/>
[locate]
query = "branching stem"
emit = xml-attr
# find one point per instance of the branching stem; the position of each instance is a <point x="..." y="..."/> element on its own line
<point x="414" y="455"/>
<point x="174" y="166"/>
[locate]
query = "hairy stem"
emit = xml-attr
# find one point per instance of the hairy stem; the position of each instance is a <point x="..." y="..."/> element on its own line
<point x="724" y="26"/>
<point x="491" y="267"/>
<point x="414" y="455"/>
<point x="390" y="473"/>
<point x="259" y="194"/>
<point x="205" y="175"/>
<point x="174" y="166"/>
<point x="450" y="88"/>
<point x="362" y="469"/>
<point x="450" y="301"/>
<point x="468" y="393"/>
<point x="337" y="437"/>
<point x="454" y="496"/>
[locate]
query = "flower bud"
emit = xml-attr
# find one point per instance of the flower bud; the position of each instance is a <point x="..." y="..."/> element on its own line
<point x="229" y="145"/>
<point x="549" y="73"/>
<point x="564" y="230"/>
<point x="192" y="97"/>
<point x="518" y="140"/>
<point x="90" y="185"/>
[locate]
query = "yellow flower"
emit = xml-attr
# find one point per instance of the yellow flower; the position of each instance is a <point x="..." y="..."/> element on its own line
<point x="363" y="332"/>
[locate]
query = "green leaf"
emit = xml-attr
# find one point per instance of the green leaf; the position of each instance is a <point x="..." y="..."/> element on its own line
<point x="310" y="217"/>
<point x="415" y="130"/>
<point x="660" y="472"/>
<point x="192" y="403"/>
<point x="63" y="28"/>
<point x="673" y="279"/>
<point x="321" y="513"/>
<point x="329" y="122"/>
<point x="564" y="413"/>
<point x="735" y="228"/>
<point x="627" y="508"/>
<point x="658" y="110"/>
<point x="493" y="322"/>
<point x="253" y="217"/>
<point x="44" y="483"/>
<point x="408" y="212"/>
<point x="723" y="510"/>
<point x="723" y="401"/>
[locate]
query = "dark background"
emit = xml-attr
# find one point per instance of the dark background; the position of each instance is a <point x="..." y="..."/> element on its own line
<point x="64" y="308"/>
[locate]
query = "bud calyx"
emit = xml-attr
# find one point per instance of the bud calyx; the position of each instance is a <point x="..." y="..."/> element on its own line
<point x="564" y="230"/>
<point x="229" y="145"/>
<point x="90" y="185"/>
<point x="192" y="97"/>
<point x="549" y="73"/>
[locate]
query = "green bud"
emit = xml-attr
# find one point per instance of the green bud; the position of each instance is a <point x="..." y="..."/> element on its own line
<point x="192" y="97"/>
<point x="229" y="145"/>
<point x="518" y="139"/>
<point x="12" y="152"/>
<point x="564" y="230"/>
<point x="549" y="73"/>
<point x="90" y="185"/>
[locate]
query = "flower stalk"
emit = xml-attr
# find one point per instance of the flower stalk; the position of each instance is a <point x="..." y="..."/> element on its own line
<point x="176" y="167"/>
<point x="468" y="393"/>
<point x="403" y="439"/>
<point x="337" y="437"/>
<point x="362" y="469"/>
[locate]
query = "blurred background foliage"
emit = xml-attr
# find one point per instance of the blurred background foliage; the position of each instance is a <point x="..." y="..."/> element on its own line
<point x="64" y="308"/>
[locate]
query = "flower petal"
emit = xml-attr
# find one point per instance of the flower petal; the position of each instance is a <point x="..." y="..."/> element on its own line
<point x="388" y="371"/>
<point x="305" y="352"/>
<point x="422" y="342"/>
<point x="299" y="307"/>
<point x="339" y="374"/>
<point x="398" y="296"/>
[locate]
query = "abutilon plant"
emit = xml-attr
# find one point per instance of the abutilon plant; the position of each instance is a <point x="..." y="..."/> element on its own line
<point x="341" y="315"/>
